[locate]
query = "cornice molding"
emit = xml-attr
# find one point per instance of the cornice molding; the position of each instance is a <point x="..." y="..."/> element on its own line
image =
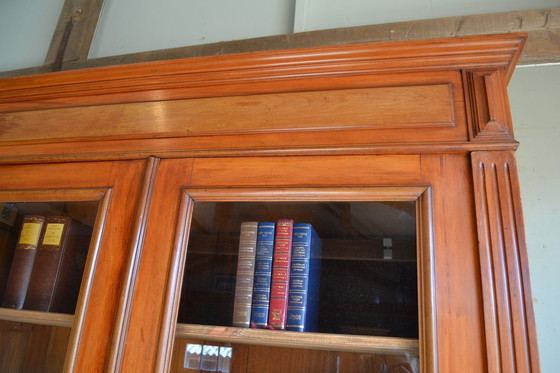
<point x="244" y="73"/>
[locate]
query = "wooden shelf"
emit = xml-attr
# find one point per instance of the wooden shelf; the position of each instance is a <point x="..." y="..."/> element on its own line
<point x="323" y="341"/>
<point x="362" y="249"/>
<point x="37" y="317"/>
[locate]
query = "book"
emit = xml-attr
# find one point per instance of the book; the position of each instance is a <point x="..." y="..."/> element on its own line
<point x="59" y="265"/>
<point x="280" y="274"/>
<point x="303" y="298"/>
<point x="8" y="241"/>
<point x="263" y="273"/>
<point x="245" y="274"/>
<point x="22" y="262"/>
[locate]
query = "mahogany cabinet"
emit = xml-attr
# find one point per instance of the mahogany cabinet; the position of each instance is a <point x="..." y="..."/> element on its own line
<point x="401" y="155"/>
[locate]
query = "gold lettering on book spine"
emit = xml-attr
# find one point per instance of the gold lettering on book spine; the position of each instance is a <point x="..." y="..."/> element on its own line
<point x="29" y="236"/>
<point x="53" y="234"/>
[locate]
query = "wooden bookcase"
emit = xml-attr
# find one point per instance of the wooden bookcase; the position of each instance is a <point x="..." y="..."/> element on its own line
<point x="425" y="123"/>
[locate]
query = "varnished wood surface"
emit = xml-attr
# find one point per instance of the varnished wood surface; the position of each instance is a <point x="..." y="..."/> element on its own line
<point x="449" y="285"/>
<point x="278" y="126"/>
<point x="272" y="124"/>
<point x="279" y="360"/>
<point x="155" y="304"/>
<point x="197" y="77"/>
<point x="306" y="171"/>
<point x="36" y="317"/>
<point x="261" y="145"/>
<point x="318" y="341"/>
<point x="426" y="106"/>
<point x="459" y="317"/>
<point x="362" y="99"/>
<point x="508" y="313"/>
<point x="122" y="324"/>
<point x="29" y="348"/>
<point x="489" y="109"/>
<point x="92" y="330"/>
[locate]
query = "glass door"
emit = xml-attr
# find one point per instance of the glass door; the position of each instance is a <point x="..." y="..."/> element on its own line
<point x="65" y="240"/>
<point x="337" y="278"/>
<point x="45" y="248"/>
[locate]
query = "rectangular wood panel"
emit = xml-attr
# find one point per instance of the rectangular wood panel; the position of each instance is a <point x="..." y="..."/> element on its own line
<point x="302" y="171"/>
<point x="416" y="106"/>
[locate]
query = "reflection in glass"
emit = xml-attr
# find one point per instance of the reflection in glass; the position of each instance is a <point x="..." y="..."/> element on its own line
<point x="256" y="358"/>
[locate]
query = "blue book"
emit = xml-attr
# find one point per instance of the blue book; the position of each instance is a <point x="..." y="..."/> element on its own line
<point x="303" y="298"/>
<point x="263" y="274"/>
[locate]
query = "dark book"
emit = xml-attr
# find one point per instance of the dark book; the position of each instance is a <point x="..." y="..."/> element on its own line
<point x="245" y="274"/>
<point x="303" y="299"/>
<point x="280" y="274"/>
<point x="263" y="273"/>
<point x="8" y="241"/>
<point x="22" y="262"/>
<point x="59" y="265"/>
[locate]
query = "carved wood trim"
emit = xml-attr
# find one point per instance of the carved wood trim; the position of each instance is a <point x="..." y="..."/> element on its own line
<point x="87" y="282"/>
<point x="241" y="73"/>
<point x="130" y="273"/>
<point x="508" y="311"/>
<point x="489" y="110"/>
<point x="173" y="290"/>
<point x="187" y="148"/>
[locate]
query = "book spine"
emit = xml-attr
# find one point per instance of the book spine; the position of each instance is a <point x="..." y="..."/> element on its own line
<point x="280" y="274"/>
<point x="57" y="272"/>
<point x="8" y="241"/>
<point x="22" y="262"/>
<point x="263" y="273"/>
<point x="304" y="279"/>
<point x="245" y="274"/>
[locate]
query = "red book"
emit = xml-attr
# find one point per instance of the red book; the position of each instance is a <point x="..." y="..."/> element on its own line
<point x="279" y="287"/>
<point x="22" y="262"/>
<point x="59" y="264"/>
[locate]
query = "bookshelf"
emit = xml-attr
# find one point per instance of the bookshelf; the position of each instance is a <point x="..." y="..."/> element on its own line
<point x="352" y="235"/>
<point x="409" y="141"/>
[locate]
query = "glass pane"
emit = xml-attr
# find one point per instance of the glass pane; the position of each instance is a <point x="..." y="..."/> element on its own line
<point x="253" y="358"/>
<point x="44" y="247"/>
<point x="366" y="270"/>
<point x="43" y="252"/>
<point x="32" y="348"/>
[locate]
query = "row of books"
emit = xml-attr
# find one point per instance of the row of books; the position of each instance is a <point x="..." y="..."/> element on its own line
<point x="277" y="283"/>
<point x="47" y="264"/>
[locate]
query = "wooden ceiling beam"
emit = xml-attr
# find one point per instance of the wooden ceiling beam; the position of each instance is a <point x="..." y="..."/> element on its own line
<point x="74" y="32"/>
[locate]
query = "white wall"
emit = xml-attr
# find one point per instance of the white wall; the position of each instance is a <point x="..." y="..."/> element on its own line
<point x="26" y="29"/>
<point x="128" y="26"/>
<point x="324" y="14"/>
<point x="535" y="105"/>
